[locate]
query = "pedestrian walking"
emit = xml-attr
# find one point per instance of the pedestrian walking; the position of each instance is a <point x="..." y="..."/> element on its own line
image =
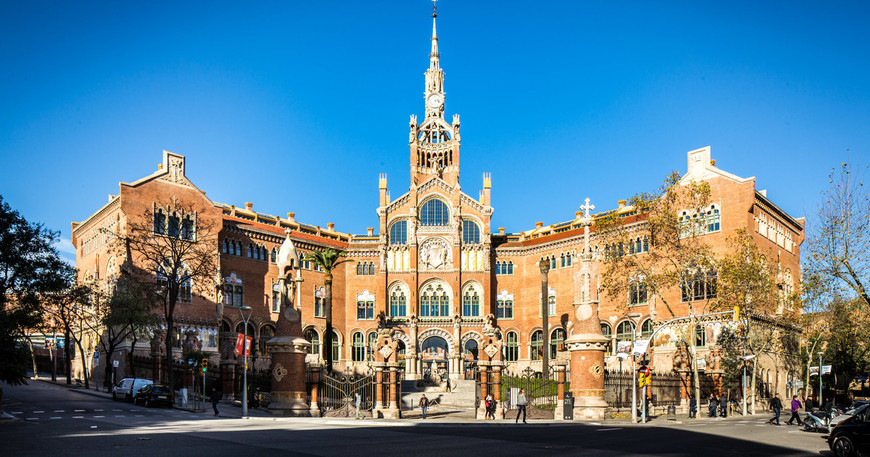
<point x="712" y="406"/>
<point x="776" y="407"/>
<point x="521" y="405"/>
<point x="215" y="398"/>
<point x="693" y="407"/>
<point x="489" y="402"/>
<point x="358" y="403"/>
<point x="795" y="409"/>
<point x="424" y="405"/>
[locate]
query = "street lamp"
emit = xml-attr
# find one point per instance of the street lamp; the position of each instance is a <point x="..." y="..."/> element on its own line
<point x="544" y="266"/>
<point x="820" y="380"/>
<point x="245" y="352"/>
<point x="633" y="317"/>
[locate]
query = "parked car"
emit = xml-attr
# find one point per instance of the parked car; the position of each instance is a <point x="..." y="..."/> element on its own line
<point x="127" y="387"/>
<point x="154" y="395"/>
<point x="856" y="407"/>
<point x="852" y="435"/>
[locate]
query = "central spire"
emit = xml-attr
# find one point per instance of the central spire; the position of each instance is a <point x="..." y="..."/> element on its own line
<point x="433" y="54"/>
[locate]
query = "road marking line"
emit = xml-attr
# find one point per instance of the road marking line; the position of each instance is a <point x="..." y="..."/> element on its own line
<point x="38" y="412"/>
<point x="17" y="412"/>
<point x="608" y="429"/>
<point x="59" y="411"/>
<point x="95" y="417"/>
<point x="78" y="410"/>
<point x="120" y="415"/>
<point x="78" y="417"/>
<point x="32" y="419"/>
<point x="55" y="417"/>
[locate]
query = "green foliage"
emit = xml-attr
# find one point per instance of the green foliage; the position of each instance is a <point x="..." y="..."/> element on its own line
<point x="30" y="268"/>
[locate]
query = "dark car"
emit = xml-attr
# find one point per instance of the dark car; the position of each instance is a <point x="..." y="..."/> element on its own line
<point x="851" y="435"/>
<point x="154" y="395"/>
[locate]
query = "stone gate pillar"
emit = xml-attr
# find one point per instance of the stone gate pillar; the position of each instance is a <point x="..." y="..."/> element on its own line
<point x="288" y="347"/>
<point x="314" y="380"/>
<point x="491" y="364"/>
<point x="587" y="345"/>
<point x="559" y="413"/>
<point x="386" y="357"/>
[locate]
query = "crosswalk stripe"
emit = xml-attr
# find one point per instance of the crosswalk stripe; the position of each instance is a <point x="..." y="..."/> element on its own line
<point x="78" y="417"/>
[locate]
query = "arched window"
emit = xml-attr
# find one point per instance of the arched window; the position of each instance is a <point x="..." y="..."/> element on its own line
<point x="371" y="341"/>
<point x="336" y="346"/>
<point x="625" y="331"/>
<point x="233" y="290"/>
<point x="187" y="228"/>
<point x="505" y="305"/>
<point x="276" y="298"/>
<point x="398" y="302"/>
<point x="434" y="301"/>
<point x="470" y="350"/>
<point x="510" y="270"/>
<point x="274" y="255"/>
<point x="535" y="350"/>
<point x="371" y="269"/>
<point x="700" y="336"/>
<point x="358" y="351"/>
<point x="607" y="331"/>
<point x="637" y="290"/>
<point x="159" y="222"/>
<point x="471" y="301"/>
<point x="557" y="342"/>
<point x="434" y="213"/>
<point x="184" y="291"/>
<point x="511" y="347"/>
<point x="225" y="249"/>
<point x="266" y="334"/>
<point x="646" y="329"/>
<point x="713" y="219"/>
<point x="399" y="232"/>
<point x="359" y="268"/>
<point x="470" y="232"/>
<point x="174" y="225"/>
<point x="365" y="305"/>
<point x="562" y="257"/>
<point x="314" y="338"/>
<point x="498" y="269"/>
<point x="319" y="297"/>
<point x="250" y="250"/>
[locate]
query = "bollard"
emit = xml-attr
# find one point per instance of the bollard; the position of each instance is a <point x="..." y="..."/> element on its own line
<point x="672" y="413"/>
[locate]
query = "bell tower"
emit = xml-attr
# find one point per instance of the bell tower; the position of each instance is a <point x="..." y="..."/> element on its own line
<point x="434" y="143"/>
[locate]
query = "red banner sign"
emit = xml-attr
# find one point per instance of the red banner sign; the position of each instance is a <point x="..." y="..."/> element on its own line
<point x="240" y="340"/>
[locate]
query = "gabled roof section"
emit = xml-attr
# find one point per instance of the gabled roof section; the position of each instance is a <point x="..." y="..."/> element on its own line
<point x="435" y="182"/>
<point x="701" y="168"/>
<point x="172" y="170"/>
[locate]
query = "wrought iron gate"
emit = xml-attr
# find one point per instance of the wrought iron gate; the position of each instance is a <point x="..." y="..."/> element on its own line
<point x="337" y="394"/>
<point x="541" y="393"/>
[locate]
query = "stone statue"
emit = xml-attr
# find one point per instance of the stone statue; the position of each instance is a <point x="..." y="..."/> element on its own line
<point x="157" y="346"/>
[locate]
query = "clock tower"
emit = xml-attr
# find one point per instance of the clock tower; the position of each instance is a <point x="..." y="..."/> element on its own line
<point x="434" y="143"/>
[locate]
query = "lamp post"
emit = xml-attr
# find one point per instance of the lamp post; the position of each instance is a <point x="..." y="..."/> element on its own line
<point x="544" y="266"/>
<point x="820" y="380"/>
<point x="633" y="369"/>
<point x="245" y="352"/>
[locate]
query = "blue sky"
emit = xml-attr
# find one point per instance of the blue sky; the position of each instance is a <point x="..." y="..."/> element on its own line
<point x="297" y="106"/>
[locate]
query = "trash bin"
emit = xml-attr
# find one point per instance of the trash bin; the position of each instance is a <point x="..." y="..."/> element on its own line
<point x="568" y="407"/>
<point x="672" y="413"/>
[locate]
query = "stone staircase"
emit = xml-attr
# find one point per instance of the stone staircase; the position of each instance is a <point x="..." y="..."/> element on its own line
<point x="458" y="403"/>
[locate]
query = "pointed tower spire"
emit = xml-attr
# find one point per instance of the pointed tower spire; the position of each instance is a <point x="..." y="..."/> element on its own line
<point x="433" y="54"/>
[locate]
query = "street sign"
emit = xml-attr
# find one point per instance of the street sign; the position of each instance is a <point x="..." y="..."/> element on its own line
<point x="96" y="359"/>
<point x="814" y="371"/>
<point x="623" y="348"/>
<point x="61" y="342"/>
<point x="640" y="347"/>
<point x="115" y="364"/>
<point x="798" y="384"/>
<point x="702" y="364"/>
<point x="826" y="369"/>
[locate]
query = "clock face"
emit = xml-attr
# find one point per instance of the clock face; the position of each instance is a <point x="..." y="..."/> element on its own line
<point x="434" y="100"/>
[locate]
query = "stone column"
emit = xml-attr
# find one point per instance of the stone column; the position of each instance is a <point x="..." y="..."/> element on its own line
<point x="559" y="414"/>
<point x="496" y="394"/>
<point x="314" y="374"/>
<point x="484" y="378"/>
<point x="454" y="370"/>
<point x="395" y="410"/>
<point x="379" y="390"/>
<point x="411" y="363"/>
<point x="587" y="346"/>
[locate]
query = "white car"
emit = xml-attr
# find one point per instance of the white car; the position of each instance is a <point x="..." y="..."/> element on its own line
<point x="128" y="387"/>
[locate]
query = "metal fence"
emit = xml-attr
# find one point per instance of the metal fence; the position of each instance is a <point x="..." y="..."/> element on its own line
<point x="665" y="388"/>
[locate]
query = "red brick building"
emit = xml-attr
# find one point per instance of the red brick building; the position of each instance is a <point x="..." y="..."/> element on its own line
<point x="434" y="266"/>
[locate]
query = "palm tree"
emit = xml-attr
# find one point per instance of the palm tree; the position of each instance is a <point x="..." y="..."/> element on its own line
<point x="327" y="259"/>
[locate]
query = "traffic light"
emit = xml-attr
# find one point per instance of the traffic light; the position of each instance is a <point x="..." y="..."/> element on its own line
<point x="643" y="376"/>
<point x="204" y="365"/>
<point x="736" y="313"/>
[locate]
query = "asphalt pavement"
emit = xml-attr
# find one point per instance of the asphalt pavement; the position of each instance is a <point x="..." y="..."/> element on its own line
<point x="54" y="420"/>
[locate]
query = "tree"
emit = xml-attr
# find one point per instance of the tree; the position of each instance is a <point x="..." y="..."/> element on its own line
<point x="747" y="283"/>
<point x="655" y="246"/>
<point x="838" y="259"/>
<point x="327" y="259"/>
<point x="72" y="309"/>
<point x="848" y="348"/>
<point x="125" y="311"/>
<point x="176" y="253"/>
<point x="29" y="268"/>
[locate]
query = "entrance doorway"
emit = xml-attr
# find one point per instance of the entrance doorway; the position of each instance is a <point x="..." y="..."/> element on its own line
<point x="434" y="356"/>
<point x="469" y="358"/>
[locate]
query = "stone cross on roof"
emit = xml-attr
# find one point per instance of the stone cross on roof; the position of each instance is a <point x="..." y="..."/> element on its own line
<point x="586" y="208"/>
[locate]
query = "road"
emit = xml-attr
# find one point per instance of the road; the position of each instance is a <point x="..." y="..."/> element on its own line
<point x="56" y="421"/>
